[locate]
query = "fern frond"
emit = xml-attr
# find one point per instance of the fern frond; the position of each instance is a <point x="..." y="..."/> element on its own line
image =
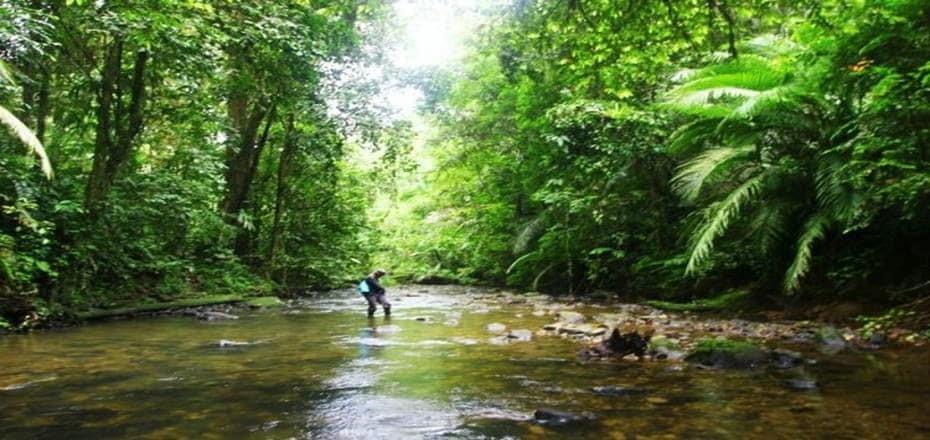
<point x="27" y="137"/>
<point x="692" y="174"/>
<point x="721" y="215"/>
<point x="834" y="194"/>
<point x="814" y="229"/>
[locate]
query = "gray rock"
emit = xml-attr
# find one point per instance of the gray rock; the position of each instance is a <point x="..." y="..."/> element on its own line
<point x="800" y="384"/>
<point x="520" y="335"/>
<point x="616" y="391"/>
<point x="830" y="339"/>
<point x="570" y="317"/>
<point x="225" y="343"/>
<point x="496" y="328"/>
<point x="582" y="329"/>
<point x="666" y="353"/>
<point x="215" y="316"/>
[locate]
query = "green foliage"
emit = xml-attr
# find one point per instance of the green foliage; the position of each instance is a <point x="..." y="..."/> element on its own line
<point x="675" y="150"/>
<point x="158" y="159"/>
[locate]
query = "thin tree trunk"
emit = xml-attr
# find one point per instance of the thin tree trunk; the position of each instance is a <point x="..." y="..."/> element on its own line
<point x="43" y="106"/>
<point x="284" y="165"/>
<point x="240" y="155"/>
<point x="722" y="7"/>
<point x="103" y="140"/>
<point x="244" y="238"/>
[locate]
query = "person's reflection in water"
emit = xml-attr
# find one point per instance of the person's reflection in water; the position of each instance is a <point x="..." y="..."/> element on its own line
<point x="367" y="335"/>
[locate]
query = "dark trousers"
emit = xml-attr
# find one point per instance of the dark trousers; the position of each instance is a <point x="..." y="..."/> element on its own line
<point x="377" y="298"/>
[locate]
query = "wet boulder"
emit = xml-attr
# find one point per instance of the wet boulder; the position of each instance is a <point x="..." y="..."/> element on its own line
<point x="570" y="317"/>
<point x="620" y="344"/>
<point x="830" y="339"/>
<point x="582" y="329"/>
<point x="728" y="354"/>
<point x="552" y="417"/>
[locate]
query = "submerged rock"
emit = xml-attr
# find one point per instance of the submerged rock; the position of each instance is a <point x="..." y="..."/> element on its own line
<point x="465" y="341"/>
<point x="616" y="391"/>
<point x="215" y="316"/>
<point x="386" y="329"/>
<point x="781" y="358"/>
<point x="499" y="340"/>
<point x="496" y="328"/>
<point x="830" y="339"/>
<point x="226" y="343"/>
<point x="800" y="384"/>
<point x="552" y="417"/>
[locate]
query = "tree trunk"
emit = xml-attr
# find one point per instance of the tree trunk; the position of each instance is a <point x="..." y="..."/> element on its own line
<point x="281" y="191"/>
<point x="242" y="164"/>
<point x="724" y="10"/>
<point x="103" y="140"/>
<point x="115" y="137"/>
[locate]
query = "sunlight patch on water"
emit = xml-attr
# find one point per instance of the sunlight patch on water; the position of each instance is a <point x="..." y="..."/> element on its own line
<point x="371" y="416"/>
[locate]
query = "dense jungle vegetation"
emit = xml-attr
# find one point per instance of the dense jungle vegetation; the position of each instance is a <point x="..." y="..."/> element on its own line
<point x="163" y="149"/>
<point x="677" y="148"/>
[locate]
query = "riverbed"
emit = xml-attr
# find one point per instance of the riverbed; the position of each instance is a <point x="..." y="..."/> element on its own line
<point x="319" y="368"/>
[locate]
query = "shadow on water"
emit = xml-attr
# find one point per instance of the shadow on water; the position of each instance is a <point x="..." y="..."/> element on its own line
<point x="320" y="369"/>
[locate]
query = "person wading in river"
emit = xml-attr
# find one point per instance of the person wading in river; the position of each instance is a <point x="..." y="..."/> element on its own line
<point x="374" y="293"/>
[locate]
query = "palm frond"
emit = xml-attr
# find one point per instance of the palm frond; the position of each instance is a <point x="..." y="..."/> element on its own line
<point x="691" y="136"/>
<point x="721" y="215"/>
<point x="530" y="232"/>
<point x="5" y="73"/>
<point x="770" y="45"/>
<point x="692" y="174"/>
<point x="769" y="225"/>
<point x="27" y="137"/>
<point x="814" y="229"/>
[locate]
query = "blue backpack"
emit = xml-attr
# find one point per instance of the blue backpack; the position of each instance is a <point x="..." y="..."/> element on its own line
<point x="362" y="288"/>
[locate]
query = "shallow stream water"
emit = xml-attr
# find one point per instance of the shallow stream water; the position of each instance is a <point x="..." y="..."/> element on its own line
<point x="321" y="369"/>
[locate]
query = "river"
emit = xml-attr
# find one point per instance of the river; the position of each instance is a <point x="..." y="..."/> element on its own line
<point x="320" y="369"/>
